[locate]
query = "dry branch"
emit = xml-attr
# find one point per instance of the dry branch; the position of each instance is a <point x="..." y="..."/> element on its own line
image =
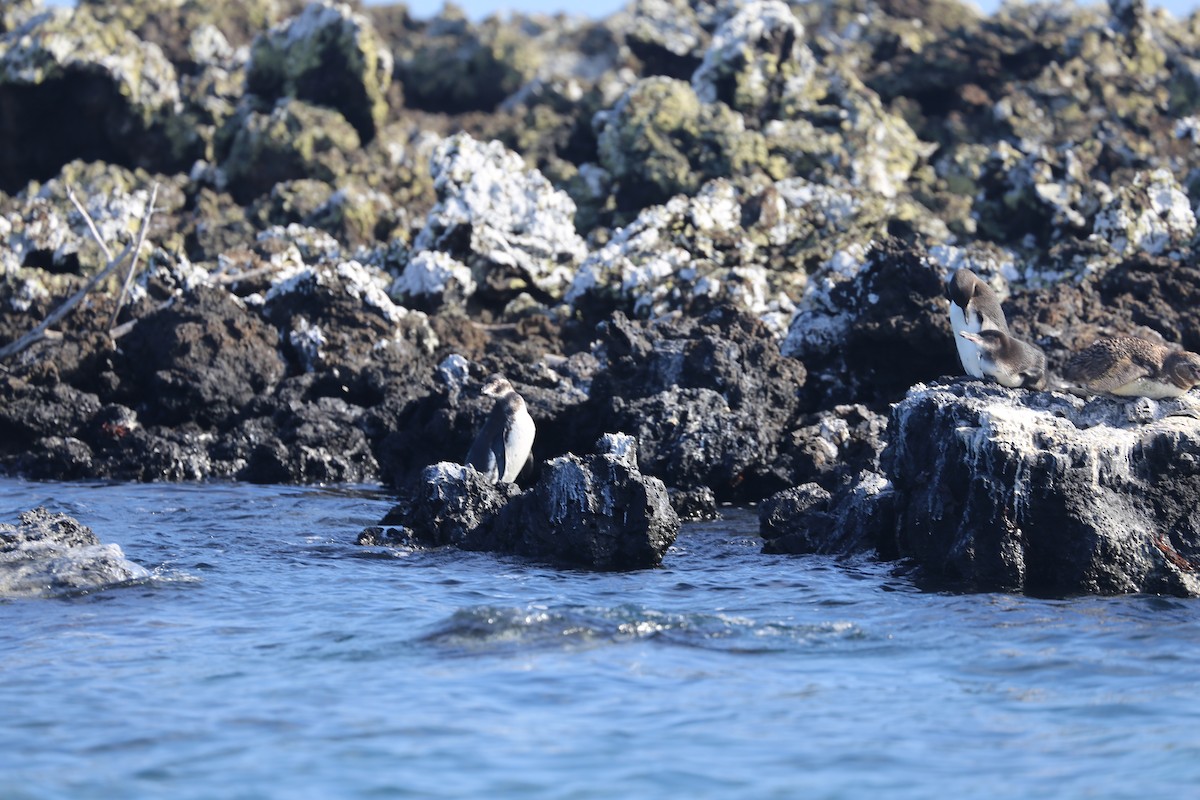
<point x="41" y="331"/>
<point x="137" y="250"/>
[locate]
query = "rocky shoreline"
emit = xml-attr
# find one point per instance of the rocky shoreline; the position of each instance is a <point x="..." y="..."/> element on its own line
<point x="721" y="229"/>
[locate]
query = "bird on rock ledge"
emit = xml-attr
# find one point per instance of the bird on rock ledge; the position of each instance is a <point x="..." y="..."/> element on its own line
<point x="505" y="443"/>
<point x="1130" y="367"/>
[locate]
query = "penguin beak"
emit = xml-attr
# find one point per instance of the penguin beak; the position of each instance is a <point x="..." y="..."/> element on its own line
<point x="971" y="337"/>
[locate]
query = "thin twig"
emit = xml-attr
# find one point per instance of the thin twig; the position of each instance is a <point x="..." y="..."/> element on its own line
<point x="91" y="225"/>
<point x="39" y="333"/>
<point x="137" y="251"/>
<point x="247" y="275"/>
<point x="125" y="327"/>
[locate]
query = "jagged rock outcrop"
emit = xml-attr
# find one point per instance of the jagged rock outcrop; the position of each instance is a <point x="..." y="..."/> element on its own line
<point x="810" y="519"/>
<point x="327" y="55"/>
<point x="53" y="554"/>
<point x="1044" y="493"/>
<point x="597" y="512"/>
<point x="73" y="87"/>
<point x="511" y="230"/>
<point x="709" y="400"/>
<point x="870" y="329"/>
<point x="200" y="360"/>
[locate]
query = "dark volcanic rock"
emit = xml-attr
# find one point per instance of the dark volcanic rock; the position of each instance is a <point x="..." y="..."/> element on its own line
<point x="598" y="511"/>
<point x="709" y="399"/>
<point x="51" y="554"/>
<point x="199" y="360"/>
<point x="833" y="446"/>
<point x="997" y="489"/>
<point x="595" y="512"/>
<point x="869" y="338"/>
<point x="808" y="519"/>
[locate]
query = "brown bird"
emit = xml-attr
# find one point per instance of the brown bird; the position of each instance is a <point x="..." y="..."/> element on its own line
<point x="1130" y="367"/>
<point x="1009" y="361"/>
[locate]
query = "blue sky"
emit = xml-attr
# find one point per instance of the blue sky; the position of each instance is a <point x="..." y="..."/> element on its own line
<point x="481" y="8"/>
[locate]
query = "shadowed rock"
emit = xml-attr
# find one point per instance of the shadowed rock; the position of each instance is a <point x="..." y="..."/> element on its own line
<point x="708" y="400"/>
<point x="595" y="512"/>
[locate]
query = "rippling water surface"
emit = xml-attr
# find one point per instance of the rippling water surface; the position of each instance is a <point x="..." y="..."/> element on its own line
<point x="272" y="657"/>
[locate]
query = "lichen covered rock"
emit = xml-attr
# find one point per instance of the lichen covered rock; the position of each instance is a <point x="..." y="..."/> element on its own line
<point x="330" y="56"/>
<point x="293" y="140"/>
<point x="75" y="88"/>
<point x="660" y="140"/>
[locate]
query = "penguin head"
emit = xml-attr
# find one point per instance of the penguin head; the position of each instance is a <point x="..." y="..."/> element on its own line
<point x="1184" y="367"/>
<point x="496" y="386"/>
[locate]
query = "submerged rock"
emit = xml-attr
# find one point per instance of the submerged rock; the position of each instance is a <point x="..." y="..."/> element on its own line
<point x="595" y="512"/>
<point x="1043" y="493"/>
<point x="53" y="554"/>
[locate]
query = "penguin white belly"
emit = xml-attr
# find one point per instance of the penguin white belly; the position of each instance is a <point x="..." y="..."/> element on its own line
<point x="968" y="352"/>
<point x="1145" y="387"/>
<point x="518" y="442"/>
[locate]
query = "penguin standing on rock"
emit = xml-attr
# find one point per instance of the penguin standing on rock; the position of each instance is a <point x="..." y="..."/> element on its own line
<point x="505" y="443"/>
<point x="974" y="307"/>
<point x="1007" y="360"/>
<point x="1130" y="367"/>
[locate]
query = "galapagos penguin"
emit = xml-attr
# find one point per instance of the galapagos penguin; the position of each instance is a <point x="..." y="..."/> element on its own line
<point x="1130" y="367"/>
<point x="505" y="443"/>
<point x="1007" y="360"/>
<point x="974" y="307"/>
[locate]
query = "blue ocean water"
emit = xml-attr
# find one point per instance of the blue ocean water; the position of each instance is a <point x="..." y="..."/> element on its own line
<point x="272" y="657"/>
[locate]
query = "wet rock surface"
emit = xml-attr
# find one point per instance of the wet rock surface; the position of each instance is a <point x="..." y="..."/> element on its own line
<point x="53" y="554"/>
<point x="721" y="227"/>
<point x="1005" y="490"/>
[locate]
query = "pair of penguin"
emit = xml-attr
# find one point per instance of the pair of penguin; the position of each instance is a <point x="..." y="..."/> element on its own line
<point x="1121" y="365"/>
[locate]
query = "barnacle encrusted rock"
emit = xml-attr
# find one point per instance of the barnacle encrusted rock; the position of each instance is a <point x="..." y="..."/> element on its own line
<point x="75" y="88"/>
<point x="336" y="315"/>
<point x="46" y="232"/>
<point x="757" y="62"/>
<point x="502" y="220"/>
<point x="748" y="248"/>
<point x="1151" y="215"/>
<point x="1043" y="493"/>
<point x="328" y="55"/>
